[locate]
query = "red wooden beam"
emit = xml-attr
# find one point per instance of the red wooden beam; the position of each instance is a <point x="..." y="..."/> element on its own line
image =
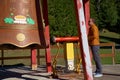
<point x="65" y="39"/>
<point x="86" y="4"/>
<point x="82" y="30"/>
<point x="47" y="36"/>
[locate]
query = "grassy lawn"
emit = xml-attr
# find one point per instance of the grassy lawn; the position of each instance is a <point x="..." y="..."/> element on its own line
<point x="110" y="37"/>
<point x="104" y="37"/>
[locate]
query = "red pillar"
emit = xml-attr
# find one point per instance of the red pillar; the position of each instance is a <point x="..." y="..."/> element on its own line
<point x="86" y="4"/>
<point x="33" y="59"/>
<point x="82" y="30"/>
<point x="47" y="51"/>
<point x="47" y="35"/>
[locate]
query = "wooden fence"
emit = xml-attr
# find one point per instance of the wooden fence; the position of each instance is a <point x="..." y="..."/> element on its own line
<point x="112" y="54"/>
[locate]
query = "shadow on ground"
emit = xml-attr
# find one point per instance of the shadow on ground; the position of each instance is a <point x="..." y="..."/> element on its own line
<point x="21" y="72"/>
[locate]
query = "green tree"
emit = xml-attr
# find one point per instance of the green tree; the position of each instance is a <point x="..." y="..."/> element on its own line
<point x="62" y="18"/>
<point x="105" y="12"/>
<point x="63" y="21"/>
<point x="118" y="22"/>
<point x="108" y="13"/>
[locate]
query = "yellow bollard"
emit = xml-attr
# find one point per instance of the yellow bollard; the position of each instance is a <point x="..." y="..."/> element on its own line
<point x="69" y="56"/>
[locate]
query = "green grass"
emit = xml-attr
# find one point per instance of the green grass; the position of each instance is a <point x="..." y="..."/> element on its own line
<point x="110" y="37"/>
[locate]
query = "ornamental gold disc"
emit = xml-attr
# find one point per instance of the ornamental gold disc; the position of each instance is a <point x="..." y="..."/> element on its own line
<point x="20" y="37"/>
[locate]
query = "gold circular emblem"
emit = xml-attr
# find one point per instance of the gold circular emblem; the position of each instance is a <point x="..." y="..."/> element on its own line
<point x="20" y="37"/>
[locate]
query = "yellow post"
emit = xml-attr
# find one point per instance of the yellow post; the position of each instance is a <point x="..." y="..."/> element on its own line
<point x="69" y="56"/>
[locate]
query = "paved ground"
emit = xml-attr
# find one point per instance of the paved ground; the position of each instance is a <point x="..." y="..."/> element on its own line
<point x="21" y="72"/>
<point x="111" y="72"/>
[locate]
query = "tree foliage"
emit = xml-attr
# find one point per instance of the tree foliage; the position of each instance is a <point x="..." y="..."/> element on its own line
<point x="62" y="17"/>
<point x="105" y="12"/>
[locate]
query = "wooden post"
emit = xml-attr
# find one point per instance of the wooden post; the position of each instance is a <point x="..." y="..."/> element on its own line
<point x="38" y="56"/>
<point x="33" y="59"/>
<point x="2" y="56"/>
<point x="47" y="35"/>
<point x="84" y="48"/>
<point x="86" y="4"/>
